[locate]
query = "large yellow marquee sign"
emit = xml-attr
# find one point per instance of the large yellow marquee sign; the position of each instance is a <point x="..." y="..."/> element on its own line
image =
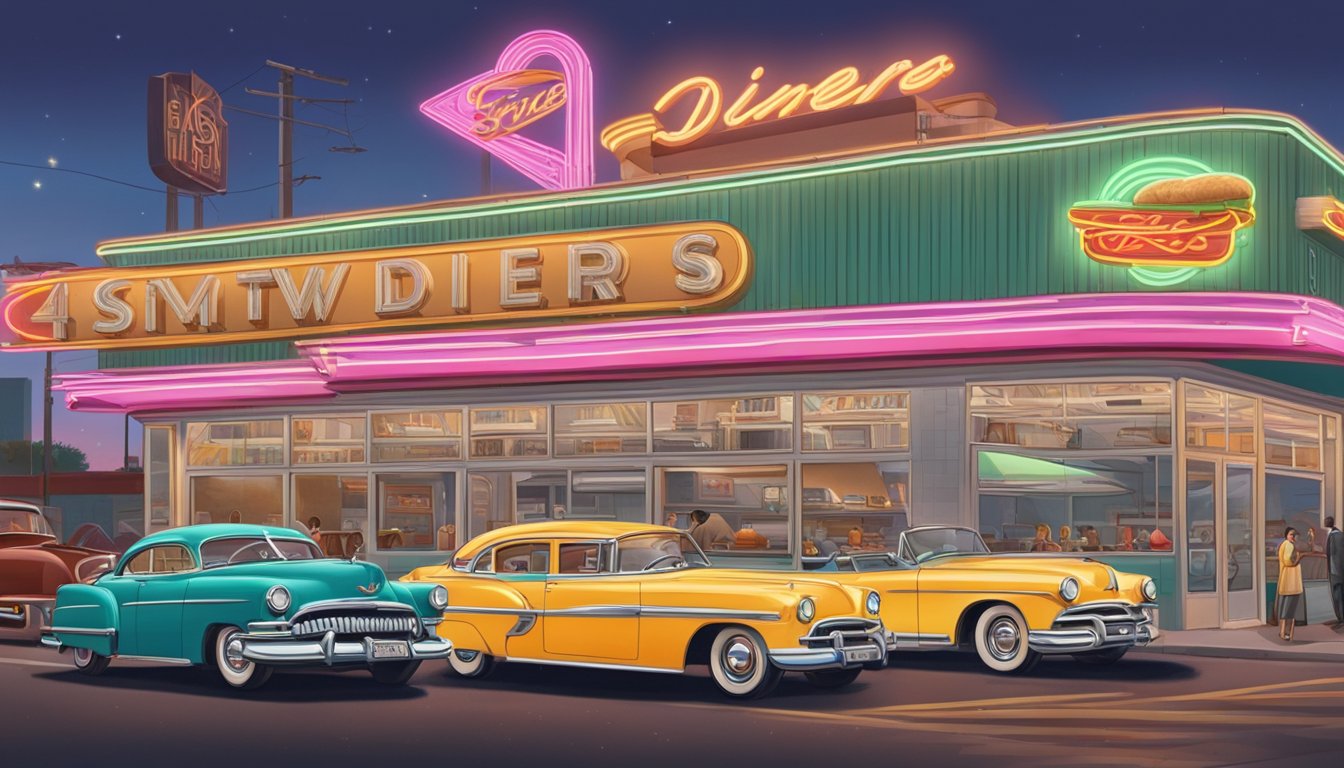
<point x="607" y="272"/>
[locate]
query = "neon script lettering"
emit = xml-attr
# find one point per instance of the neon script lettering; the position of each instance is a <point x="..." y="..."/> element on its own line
<point x="508" y="101"/>
<point x="842" y="88"/>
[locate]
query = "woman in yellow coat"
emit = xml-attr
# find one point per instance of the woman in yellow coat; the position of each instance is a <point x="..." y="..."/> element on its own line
<point x="1292" y="608"/>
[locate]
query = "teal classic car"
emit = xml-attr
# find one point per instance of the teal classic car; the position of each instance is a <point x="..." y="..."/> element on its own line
<point x="246" y="599"/>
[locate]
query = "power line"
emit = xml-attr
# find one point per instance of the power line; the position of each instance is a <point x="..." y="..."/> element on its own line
<point x="132" y="185"/>
<point x="240" y="81"/>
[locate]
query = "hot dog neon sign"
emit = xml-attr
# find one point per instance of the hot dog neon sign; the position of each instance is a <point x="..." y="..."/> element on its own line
<point x="842" y="88"/>
<point x="1163" y="244"/>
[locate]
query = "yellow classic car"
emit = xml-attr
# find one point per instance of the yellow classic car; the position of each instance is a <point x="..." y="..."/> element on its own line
<point x="943" y="590"/>
<point x="644" y="597"/>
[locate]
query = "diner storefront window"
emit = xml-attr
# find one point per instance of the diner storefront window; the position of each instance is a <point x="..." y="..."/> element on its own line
<point x="335" y="508"/>
<point x="1083" y="416"/>
<point x="253" y="499"/>
<point x="601" y="428"/>
<point x="1219" y="421"/>
<point x="1097" y="504"/>
<point x="416" y="511"/>
<point x="609" y="495"/>
<point x="755" y="423"/>
<point x="854" y="506"/>
<point x="508" y="431"/>
<point x="1294" y="500"/>
<point x="856" y="421"/>
<point x="1292" y="437"/>
<point x="160" y="476"/>
<point x="749" y="505"/>
<point x="419" y="435"/>
<point x="326" y="440"/>
<point x="235" y="443"/>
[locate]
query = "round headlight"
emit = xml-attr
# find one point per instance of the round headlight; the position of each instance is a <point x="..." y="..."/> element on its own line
<point x="1068" y="589"/>
<point x="807" y="610"/>
<point x="278" y="599"/>
<point x="1149" y="590"/>
<point x="438" y="597"/>
<point x="874" y="603"/>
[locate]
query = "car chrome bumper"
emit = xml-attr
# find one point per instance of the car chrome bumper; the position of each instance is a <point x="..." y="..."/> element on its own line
<point x="837" y="644"/>
<point x="1094" y="627"/>
<point x="276" y="648"/>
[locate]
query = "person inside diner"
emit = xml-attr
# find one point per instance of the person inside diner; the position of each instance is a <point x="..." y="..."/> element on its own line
<point x="710" y="530"/>
<point x="1042" y="542"/>
<point x="1066" y="543"/>
<point x="1091" y="539"/>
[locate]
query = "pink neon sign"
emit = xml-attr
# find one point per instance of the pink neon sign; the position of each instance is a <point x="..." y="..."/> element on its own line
<point x="569" y="168"/>
<point x="1080" y="326"/>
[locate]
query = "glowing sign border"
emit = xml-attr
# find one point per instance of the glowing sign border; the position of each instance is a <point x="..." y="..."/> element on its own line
<point x="553" y="169"/>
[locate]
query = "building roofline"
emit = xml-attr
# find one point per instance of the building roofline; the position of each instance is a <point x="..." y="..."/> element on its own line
<point x="1011" y="140"/>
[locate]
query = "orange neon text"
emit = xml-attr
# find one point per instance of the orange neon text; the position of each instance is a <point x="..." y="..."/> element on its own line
<point x="709" y="108"/>
<point x="508" y="101"/>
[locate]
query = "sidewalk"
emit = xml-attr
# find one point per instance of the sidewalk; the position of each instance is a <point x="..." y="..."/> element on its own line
<point x="1315" y="642"/>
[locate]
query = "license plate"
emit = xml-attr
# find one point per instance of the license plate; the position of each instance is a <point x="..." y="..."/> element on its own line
<point x="857" y="655"/>
<point x="391" y="649"/>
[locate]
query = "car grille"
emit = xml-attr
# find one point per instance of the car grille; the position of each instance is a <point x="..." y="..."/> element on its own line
<point x="355" y="625"/>
<point x="1113" y="622"/>
<point x="849" y="631"/>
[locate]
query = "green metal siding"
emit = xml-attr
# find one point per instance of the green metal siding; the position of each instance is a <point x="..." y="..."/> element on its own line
<point x="944" y="229"/>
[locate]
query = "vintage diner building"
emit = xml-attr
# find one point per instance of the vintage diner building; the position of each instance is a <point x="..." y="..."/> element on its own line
<point x="875" y="319"/>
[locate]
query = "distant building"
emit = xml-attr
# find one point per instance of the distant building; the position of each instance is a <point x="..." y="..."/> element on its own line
<point x="16" y="415"/>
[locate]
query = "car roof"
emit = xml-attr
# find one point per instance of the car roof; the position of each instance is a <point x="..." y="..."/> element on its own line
<point x="192" y="536"/>
<point x="559" y="529"/>
<point x="12" y="504"/>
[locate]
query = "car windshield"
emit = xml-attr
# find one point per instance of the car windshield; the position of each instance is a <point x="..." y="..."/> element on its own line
<point x="658" y="551"/>
<point x="255" y="549"/>
<point x="23" y="521"/>
<point x="933" y="542"/>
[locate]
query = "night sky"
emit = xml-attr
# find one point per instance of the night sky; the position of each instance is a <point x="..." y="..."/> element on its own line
<point x="73" y="78"/>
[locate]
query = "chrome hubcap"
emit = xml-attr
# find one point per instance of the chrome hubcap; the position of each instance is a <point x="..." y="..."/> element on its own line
<point x="1004" y="639"/>
<point x="82" y="657"/>
<point x="233" y="655"/>
<point x="739" y="658"/>
<point x="466" y="657"/>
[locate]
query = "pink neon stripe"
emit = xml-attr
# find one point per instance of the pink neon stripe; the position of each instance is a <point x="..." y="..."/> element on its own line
<point x="1061" y="327"/>
<point x="552" y="169"/>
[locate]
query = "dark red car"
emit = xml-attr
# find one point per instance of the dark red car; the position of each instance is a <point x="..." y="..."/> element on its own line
<point x="33" y="564"/>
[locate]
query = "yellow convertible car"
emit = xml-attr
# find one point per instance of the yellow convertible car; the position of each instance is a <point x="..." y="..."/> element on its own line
<point x="644" y="597"/>
<point x="943" y="590"/>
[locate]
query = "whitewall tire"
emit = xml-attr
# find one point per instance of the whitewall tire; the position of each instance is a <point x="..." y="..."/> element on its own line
<point x="740" y="664"/>
<point x="1001" y="640"/>
<point x="475" y="664"/>
<point x="90" y="663"/>
<point x="236" y="670"/>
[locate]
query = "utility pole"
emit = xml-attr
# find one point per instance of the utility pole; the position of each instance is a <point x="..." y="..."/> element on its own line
<point x="46" y="435"/>
<point x="286" y="90"/>
<point x="285" y="93"/>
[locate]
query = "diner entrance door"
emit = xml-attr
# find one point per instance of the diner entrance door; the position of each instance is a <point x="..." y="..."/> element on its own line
<point x="1221" y="570"/>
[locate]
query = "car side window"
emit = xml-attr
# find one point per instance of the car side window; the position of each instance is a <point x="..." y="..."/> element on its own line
<point x="171" y="558"/>
<point x="585" y="557"/>
<point x="533" y="557"/>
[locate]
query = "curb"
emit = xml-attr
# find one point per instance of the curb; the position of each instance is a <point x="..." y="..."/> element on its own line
<point x="1269" y="654"/>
